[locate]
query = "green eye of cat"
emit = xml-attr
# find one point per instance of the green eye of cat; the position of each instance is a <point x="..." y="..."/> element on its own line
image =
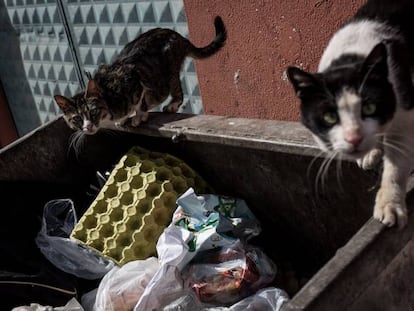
<point x="330" y="118"/>
<point x="369" y="109"/>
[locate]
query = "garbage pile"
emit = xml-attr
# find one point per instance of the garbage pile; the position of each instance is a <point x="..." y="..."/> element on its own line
<point x="157" y="237"/>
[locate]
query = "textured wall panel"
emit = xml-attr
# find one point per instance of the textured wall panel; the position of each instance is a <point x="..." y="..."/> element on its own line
<point x="39" y="63"/>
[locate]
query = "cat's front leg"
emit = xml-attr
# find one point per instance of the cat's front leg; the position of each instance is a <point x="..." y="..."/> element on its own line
<point x="371" y="159"/>
<point x="139" y="116"/>
<point x="121" y="122"/>
<point x="140" y="110"/>
<point x="390" y="207"/>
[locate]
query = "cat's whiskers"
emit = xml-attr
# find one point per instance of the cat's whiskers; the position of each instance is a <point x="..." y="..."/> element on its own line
<point x="322" y="172"/>
<point x="318" y="175"/>
<point x="396" y="147"/>
<point x="316" y="157"/>
<point x="325" y="172"/>
<point x="339" y="171"/>
<point x="387" y="140"/>
<point x="110" y="132"/>
<point x="76" y="142"/>
<point x="390" y="135"/>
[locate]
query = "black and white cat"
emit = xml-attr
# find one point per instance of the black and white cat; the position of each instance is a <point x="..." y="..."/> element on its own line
<point x="359" y="103"/>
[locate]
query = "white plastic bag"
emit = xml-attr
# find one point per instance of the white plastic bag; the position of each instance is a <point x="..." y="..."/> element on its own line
<point x="267" y="299"/>
<point x="72" y="305"/>
<point x="199" y="223"/>
<point x="59" y="219"/>
<point x="121" y="288"/>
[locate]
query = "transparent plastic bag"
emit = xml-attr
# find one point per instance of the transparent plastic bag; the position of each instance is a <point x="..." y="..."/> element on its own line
<point x="122" y="287"/>
<point x="266" y="299"/>
<point x="72" y="305"/>
<point x="59" y="219"/>
<point x="227" y="275"/>
<point x="88" y="299"/>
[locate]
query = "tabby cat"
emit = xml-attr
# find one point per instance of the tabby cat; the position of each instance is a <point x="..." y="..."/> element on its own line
<point x="359" y="103"/>
<point x="143" y="75"/>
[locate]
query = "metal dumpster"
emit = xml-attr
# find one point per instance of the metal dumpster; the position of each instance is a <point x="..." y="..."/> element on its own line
<point x="321" y="231"/>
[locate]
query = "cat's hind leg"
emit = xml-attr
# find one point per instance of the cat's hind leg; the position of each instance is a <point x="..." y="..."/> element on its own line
<point x="177" y="95"/>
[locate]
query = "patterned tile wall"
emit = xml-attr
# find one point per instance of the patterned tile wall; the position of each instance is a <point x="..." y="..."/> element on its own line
<point x="100" y="29"/>
<point x="42" y="52"/>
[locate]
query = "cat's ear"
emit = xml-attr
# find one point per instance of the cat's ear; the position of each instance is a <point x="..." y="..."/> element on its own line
<point x="375" y="63"/>
<point x="302" y="81"/>
<point x="92" y="88"/>
<point x="64" y="103"/>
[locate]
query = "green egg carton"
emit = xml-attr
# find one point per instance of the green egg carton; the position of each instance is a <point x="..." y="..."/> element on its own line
<point x="135" y="205"/>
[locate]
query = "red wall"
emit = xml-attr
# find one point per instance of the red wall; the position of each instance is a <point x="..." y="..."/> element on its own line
<point x="246" y="78"/>
<point x="8" y="131"/>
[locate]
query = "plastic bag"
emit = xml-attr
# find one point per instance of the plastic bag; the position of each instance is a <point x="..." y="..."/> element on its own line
<point x="186" y="300"/>
<point x="121" y="288"/>
<point x="225" y="276"/>
<point x="59" y="219"/>
<point x="88" y="299"/>
<point x="199" y="223"/>
<point x="72" y="305"/>
<point x="267" y="299"/>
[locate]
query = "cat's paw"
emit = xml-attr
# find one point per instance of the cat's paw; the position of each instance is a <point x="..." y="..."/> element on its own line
<point x="135" y="121"/>
<point x="390" y="212"/>
<point x="172" y="106"/>
<point x="371" y="159"/>
<point x="142" y="116"/>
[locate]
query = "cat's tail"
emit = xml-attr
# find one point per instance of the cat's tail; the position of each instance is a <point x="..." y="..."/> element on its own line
<point x="215" y="45"/>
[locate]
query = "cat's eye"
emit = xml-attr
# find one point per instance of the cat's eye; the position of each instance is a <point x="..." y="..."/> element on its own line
<point x="330" y="118"/>
<point x="369" y="109"/>
<point x="77" y="119"/>
<point x="94" y="112"/>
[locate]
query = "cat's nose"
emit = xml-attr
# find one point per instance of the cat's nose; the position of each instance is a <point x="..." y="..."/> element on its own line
<point x="354" y="139"/>
<point x="88" y="126"/>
